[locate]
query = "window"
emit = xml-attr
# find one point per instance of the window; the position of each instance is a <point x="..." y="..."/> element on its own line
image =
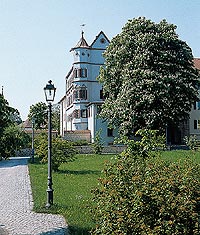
<point x="196" y="124"/>
<point x="101" y="95"/>
<point x="82" y="73"/>
<point x="80" y="93"/>
<point x="84" y="113"/>
<point x="83" y="94"/>
<point x="110" y="132"/>
<point x="197" y="105"/>
<point x="69" y="99"/>
<point x="76" y="113"/>
<point x="102" y="40"/>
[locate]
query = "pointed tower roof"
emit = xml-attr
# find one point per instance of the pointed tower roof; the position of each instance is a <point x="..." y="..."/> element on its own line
<point x="82" y="43"/>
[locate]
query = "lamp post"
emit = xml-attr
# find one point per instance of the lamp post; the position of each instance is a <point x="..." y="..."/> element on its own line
<point x="50" y="91"/>
<point x="33" y="126"/>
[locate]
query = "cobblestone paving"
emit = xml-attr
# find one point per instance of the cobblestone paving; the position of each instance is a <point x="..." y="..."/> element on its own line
<point x="16" y="216"/>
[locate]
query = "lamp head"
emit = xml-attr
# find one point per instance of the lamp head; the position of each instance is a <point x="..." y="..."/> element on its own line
<point x="50" y="92"/>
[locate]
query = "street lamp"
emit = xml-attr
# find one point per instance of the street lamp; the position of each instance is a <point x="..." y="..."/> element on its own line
<point x="50" y="91"/>
<point x="33" y="126"/>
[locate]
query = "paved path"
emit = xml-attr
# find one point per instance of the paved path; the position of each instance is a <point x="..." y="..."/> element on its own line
<point x="16" y="216"/>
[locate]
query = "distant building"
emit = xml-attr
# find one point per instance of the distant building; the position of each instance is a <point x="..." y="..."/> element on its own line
<point x="194" y="122"/>
<point x="82" y="102"/>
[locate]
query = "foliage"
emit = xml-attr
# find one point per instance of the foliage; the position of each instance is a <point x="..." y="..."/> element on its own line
<point x="97" y="145"/>
<point x="5" y="114"/>
<point x="80" y="143"/>
<point x="191" y="141"/>
<point x="15" y="117"/>
<point x="141" y="194"/>
<point x="11" y="136"/>
<point x="39" y="113"/>
<point x="14" y="138"/>
<point x="149" y="145"/>
<point x="62" y="150"/>
<point x="149" y="79"/>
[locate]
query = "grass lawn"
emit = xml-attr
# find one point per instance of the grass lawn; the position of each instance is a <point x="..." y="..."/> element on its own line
<point x="73" y="184"/>
<point x="72" y="189"/>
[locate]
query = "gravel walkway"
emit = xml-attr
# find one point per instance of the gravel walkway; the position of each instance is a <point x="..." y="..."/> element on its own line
<point x="16" y="216"/>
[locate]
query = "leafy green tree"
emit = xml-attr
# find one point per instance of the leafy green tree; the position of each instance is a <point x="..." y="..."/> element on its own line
<point x="5" y="114"/>
<point x="13" y="138"/>
<point x="149" y="79"/>
<point x="15" y="117"/>
<point x="144" y="195"/>
<point x="39" y="113"/>
<point x="62" y="150"/>
<point x="9" y="136"/>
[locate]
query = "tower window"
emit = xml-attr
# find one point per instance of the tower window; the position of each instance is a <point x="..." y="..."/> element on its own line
<point x="82" y="73"/>
<point x="84" y="113"/>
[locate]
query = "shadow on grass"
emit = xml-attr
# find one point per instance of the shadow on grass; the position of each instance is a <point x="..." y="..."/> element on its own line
<point x="81" y="172"/>
<point x="54" y="209"/>
<point x="74" y="230"/>
<point x="63" y="231"/>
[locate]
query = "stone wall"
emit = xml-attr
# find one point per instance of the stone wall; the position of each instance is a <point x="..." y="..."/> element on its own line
<point x="87" y="149"/>
<point x="23" y="152"/>
<point x="78" y="135"/>
<point x="106" y="149"/>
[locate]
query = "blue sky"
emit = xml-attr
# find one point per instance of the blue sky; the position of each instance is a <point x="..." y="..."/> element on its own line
<point x="37" y="35"/>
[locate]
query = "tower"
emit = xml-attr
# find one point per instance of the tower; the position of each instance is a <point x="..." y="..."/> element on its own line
<point x="83" y="98"/>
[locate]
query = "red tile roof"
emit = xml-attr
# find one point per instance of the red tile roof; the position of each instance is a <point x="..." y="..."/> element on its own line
<point x="197" y="63"/>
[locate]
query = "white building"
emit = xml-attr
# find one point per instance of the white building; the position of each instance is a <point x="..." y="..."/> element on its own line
<point x="83" y="98"/>
<point x="194" y="122"/>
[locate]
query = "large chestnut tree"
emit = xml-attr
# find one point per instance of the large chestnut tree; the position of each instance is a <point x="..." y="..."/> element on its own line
<point x="149" y="79"/>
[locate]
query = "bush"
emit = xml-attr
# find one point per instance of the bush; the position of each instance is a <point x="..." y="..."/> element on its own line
<point x="191" y="141"/>
<point x="62" y="150"/>
<point x="141" y="194"/>
<point x="13" y="138"/>
<point x="80" y="143"/>
<point x="97" y="145"/>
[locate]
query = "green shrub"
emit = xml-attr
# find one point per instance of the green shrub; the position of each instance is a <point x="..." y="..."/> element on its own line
<point x="191" y="141"/>
<point x="80" y="143"/>
<point x="13" y="138"/>
<point x="97" y="145"/>
<point x="141" y="194"/>
<point x="62" y="150"/>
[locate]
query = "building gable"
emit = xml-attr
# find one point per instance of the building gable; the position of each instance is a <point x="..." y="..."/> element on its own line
<point x="101" y="41"/>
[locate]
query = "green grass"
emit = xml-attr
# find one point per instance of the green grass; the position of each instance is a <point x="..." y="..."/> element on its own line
<point x="73" y="184"/>
<point x="175" y="155"/>
<point x="72" y="189"/>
